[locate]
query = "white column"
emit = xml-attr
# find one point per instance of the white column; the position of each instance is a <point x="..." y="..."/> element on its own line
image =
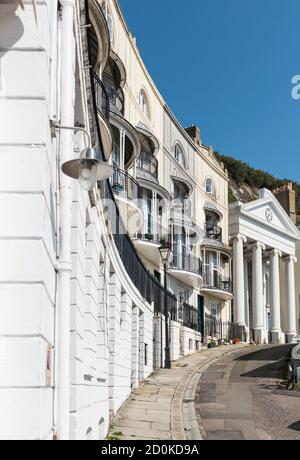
<point x="257" y="292"/>
<point x="238" y="279"/>
<point x="275" y="296"/>
<point x="247" y="316"/>
<point x="290" y="296"/>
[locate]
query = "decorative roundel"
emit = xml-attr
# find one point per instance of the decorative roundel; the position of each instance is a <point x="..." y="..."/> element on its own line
<point x="269" y="214"/>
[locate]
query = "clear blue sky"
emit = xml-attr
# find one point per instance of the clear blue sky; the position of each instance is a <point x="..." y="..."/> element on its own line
<point x="227" y="66"/>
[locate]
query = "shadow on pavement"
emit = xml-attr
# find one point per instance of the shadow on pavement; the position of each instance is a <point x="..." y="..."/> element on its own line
<point x="274" y="370"/>
<point x="295" y="426"/>
<point x="271" y="353"/>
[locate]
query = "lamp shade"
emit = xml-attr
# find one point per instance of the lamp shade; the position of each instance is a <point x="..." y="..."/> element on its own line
<point x="88" y="169"/>
<point x="165" y="253"/>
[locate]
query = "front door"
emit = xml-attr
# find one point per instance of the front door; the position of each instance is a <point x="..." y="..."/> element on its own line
<point x="201" y="316"/>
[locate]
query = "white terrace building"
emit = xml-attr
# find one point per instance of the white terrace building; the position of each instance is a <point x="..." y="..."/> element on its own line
<point x="81" y="280"/>
<point x="81" y="288"/>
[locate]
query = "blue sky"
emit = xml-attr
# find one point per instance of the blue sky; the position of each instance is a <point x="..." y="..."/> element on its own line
<point x="227" y="66"/>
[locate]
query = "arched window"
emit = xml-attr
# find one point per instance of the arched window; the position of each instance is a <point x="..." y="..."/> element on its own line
<point x="179" y="155"/>
<point x="144" y="104"/>
<point x="209" y="186"/>
<point x="109" y="20"/>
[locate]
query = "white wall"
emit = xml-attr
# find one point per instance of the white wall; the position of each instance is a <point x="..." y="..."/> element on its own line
<point x="189" y="341"/>
<point x="27" y="244"/>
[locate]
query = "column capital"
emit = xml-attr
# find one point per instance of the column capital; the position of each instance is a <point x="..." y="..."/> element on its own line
<point x="290" y="258"/>
<point x="275" y="252"/>
<point x="238" y="237"/>
<point x="258" y="245"/>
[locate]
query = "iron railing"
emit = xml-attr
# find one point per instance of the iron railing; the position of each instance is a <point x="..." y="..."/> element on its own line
<point x="213" y="232"/>
<point x="153" y="232"/>
<point x="147" y="162"/>
<point x="189" y="316"/>
<point x="223" y="330"/>
<point x="187" y="263"/>
<point x="125" y="185"/>
<point x="217" y="282"/>
<point x="116" y="99"/>
<point x="102" y="98"/>
<point x="150" y="289"/>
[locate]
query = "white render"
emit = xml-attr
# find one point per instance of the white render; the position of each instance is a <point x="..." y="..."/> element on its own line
<point x="76" y="333"/>
<point x="269" y="243"/>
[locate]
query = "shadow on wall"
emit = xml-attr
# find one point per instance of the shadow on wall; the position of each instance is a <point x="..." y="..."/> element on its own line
<point x="12" y="29"/>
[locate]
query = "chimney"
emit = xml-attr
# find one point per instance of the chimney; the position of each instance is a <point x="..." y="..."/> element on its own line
<point x="194" y="133"/>
<point x="287" y="198"/>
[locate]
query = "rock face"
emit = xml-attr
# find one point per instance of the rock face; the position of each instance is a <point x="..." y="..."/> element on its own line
<point x="244" y="192"/>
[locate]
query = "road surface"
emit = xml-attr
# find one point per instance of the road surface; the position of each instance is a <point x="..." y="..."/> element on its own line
<point x="238" y="398"/>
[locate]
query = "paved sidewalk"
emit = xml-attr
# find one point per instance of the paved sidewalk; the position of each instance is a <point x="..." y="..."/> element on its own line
<point x="155" y="410"/>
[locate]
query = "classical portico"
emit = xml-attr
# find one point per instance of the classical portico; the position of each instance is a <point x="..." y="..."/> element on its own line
<point x="263" y="239"/>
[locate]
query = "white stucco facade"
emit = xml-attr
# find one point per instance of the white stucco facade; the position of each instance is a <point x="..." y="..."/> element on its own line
<point x="81" y="302"/>
<point x="264" y="241"/>
<point x="81" y="305"/>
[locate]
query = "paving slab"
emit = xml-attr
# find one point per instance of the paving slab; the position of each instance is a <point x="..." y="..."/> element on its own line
<point x="155" y="409"/>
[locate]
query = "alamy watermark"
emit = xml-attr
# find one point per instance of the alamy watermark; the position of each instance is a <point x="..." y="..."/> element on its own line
<point x="296" y="87"/>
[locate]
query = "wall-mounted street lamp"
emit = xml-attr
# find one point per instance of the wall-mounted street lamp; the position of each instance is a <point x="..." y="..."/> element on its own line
<point x="165" y="254"/>
<point x="88" y="169"/>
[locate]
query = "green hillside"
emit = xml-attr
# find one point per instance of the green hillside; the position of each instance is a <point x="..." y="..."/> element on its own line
<point x="242" y="173"/>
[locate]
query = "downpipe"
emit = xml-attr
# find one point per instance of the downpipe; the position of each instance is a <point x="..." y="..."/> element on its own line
<point x="64" y="266"/>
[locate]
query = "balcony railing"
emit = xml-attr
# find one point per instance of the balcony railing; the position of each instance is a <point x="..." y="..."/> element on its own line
<point x="213" y="232"/>
<point x="219" y="330"/>
<point x="154" y="233"/>
<point x="102" y="98"/>
<point x="150" y="289"/>
<point x="116" y="99"/>
<point x="124" y="185"/>
<point x="187" y="263"/>
<point x="189" y="316"/>
<point x="147" y="162"/>
<point x="217" y="282"/>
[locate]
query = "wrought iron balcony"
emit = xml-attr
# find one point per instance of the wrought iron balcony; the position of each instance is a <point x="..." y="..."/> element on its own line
<point x="102" y="99"/>
<point x="124" y="185"/>
<point x="213" y="232"/>
<point x="154" y="233"/>
<point x="217" y="282"/>
<point x="116" y="99"/>
<point x="148" y="163"/>
<point x="186" y="263"/>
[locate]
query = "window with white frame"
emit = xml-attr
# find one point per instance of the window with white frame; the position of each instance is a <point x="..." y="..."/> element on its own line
<point x="144" y="104"/>
<point x="179" y="155"/>
<point x="215" y="310"/>
<point x="209" y="186"/>
<point x="109" y="20"/>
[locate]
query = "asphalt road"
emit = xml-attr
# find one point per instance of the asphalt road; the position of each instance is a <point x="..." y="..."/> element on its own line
<point x="238" y="397"/>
